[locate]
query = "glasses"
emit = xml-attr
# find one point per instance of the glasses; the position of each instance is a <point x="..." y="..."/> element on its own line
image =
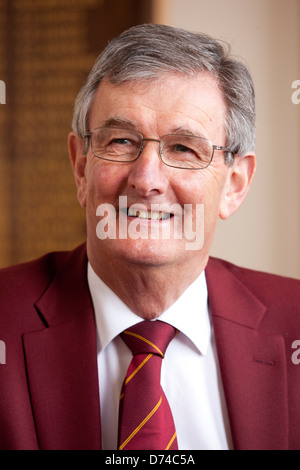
<point x="176" y="150"/>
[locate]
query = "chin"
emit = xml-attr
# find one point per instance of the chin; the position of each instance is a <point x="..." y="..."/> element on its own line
<point x="146" y="252"/>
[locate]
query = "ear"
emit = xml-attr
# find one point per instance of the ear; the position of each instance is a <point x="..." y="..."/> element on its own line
<point x="78" y="161"/>
<point x="237" y="185"/>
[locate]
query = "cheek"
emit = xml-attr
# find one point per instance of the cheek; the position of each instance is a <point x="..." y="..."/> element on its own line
<point x="104" y="181"/>
<point x="203" y="188"/>
<point x="206" y="190"/>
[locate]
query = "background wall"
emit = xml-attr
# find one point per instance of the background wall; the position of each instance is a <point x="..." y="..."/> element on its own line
<point x="265" y="233"/>
<point x="47" y="48"/>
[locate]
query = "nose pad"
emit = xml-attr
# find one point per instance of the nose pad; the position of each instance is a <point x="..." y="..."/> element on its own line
<point x="150" y="140"/>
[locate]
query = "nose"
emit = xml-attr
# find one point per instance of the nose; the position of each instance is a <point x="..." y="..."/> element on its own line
<point x="148" y="174"/>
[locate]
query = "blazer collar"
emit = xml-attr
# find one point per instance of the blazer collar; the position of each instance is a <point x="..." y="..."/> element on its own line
<point x="252" y="362"/>
<point x="229" y="298"/>
<point x="61" y="362"/>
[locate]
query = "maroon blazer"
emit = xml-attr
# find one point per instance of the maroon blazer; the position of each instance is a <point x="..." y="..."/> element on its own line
<point x="49" y="395"/>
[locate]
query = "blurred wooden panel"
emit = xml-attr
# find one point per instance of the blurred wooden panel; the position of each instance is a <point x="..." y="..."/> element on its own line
<point x="47" y="48"/>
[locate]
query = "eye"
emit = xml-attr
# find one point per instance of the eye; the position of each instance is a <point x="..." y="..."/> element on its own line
<point x="121" y="141"/>
<point x="182" y="148"/>
<point x="122" y="145"/>
<point x="180" y="151"/>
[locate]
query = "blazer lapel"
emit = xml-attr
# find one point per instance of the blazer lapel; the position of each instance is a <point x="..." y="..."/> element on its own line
<point x="61" y="362"/>
<point x="252" y="363"/>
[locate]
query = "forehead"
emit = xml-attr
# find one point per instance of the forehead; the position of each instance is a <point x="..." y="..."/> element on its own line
<point x="174" y="100"/>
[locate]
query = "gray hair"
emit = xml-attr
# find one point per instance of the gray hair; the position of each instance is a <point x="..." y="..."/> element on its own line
<point x="149" y="51"/>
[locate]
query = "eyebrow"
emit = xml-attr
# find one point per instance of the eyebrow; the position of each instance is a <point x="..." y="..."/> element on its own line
<point x="188" y="131"/>
<point x="118" y="122"/>
<point x="127" y="124"/>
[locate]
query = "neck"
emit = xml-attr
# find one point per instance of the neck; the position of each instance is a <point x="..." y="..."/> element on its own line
<point x="147" y="290"/>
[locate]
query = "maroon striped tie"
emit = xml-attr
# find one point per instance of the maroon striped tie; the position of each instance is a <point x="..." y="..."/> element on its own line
<point x="145" y="418"/>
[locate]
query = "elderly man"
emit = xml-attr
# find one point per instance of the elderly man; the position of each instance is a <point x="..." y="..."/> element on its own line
<point x="138" y="339"/>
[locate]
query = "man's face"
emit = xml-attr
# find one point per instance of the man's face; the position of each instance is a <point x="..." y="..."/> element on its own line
<point x="175" y="104"/>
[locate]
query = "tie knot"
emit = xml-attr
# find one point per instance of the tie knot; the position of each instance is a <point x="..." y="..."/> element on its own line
<point x="149" y="337"/>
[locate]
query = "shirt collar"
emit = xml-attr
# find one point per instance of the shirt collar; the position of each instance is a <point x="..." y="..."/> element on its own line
<point x="189" y="313"/>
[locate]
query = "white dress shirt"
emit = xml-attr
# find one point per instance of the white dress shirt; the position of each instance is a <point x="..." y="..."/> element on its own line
<point x="190" y="373"/>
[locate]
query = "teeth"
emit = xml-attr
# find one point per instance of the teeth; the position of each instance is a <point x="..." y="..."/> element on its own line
<point x="155" y="215"/>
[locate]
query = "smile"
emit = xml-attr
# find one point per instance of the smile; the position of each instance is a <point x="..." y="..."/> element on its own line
<point x="149" y="215"/>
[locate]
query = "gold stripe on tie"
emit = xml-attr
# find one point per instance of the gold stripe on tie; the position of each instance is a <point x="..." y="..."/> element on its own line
<point x="135" y="371"/>
<point x="144" y="339"/>
<point x="171" y="441"/>
<point x="141" y="425"/>
<point x="138" y="368"/>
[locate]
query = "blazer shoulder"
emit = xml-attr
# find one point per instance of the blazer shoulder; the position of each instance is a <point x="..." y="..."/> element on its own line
<point x="217" y="263"/>
<point x="29" y="277"/>
<point x="23" y="284"/>
<point x="269" y="288"/>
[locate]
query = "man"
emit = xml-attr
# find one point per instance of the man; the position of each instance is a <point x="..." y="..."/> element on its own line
<point x="162" y="146"/>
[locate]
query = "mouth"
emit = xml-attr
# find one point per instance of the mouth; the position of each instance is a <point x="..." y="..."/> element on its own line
<point x="148" y="215"/>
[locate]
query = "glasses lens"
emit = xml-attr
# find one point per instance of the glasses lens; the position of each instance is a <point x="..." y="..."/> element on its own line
<point x="184" y="151"/>
<point x="119" y="145"/>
